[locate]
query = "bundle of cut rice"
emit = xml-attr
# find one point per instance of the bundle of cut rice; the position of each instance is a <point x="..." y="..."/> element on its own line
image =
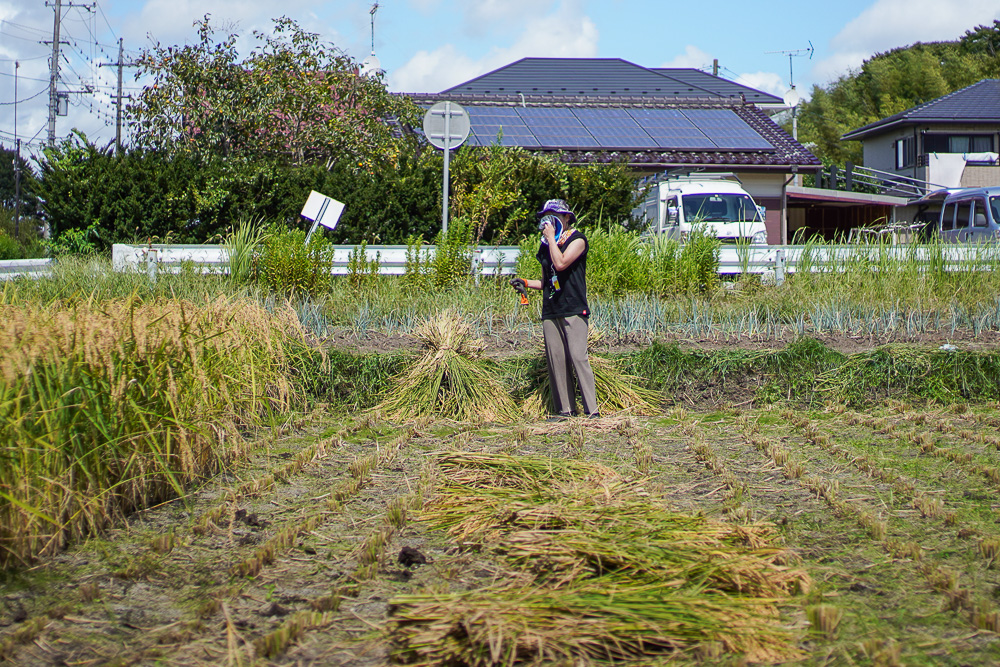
<point x="450" y="379"/>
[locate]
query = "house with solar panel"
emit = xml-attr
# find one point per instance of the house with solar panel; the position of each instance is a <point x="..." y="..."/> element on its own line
<point x="659" y="121"/>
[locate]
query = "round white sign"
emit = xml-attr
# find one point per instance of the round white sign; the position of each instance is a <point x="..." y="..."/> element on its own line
<point x="446" y="115"/>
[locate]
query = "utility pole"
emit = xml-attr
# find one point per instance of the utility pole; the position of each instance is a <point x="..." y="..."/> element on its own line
<point x="118" y="99"/>
<point x="17" y="163"/>
<point x="54" y="74"/>
<point x="17" y="190"/>
<point x="118" y="105"/>
<point x="54" y="67"/>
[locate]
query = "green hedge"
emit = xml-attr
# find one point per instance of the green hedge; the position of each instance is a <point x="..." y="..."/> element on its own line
<point x="139" y="196"/>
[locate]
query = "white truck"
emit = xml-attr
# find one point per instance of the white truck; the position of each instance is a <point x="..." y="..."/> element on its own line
<point x="718" y="202"/>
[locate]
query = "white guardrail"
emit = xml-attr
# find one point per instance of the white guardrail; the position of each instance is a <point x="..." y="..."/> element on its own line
<point x="33" y="268"/>
<point x="486" y="260"/>
<point x="776" y="261"/>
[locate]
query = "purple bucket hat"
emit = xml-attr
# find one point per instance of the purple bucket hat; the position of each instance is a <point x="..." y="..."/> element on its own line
<point x="557" y="206"/>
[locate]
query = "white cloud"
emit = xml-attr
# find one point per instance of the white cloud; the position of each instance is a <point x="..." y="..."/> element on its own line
<point x="888" y="24"/>
<point x="431" y="71"/>
<point x="172" y="21"/>
<point x="564" y="34"/>
<point x="769" y="82"/>
<point x="479" y="15"/>
<point x="692" y="57"/>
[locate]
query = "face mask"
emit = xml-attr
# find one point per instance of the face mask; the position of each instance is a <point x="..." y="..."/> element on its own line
<point x="554" y="221"/>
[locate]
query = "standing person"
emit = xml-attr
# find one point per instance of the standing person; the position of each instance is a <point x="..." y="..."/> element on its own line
<point x="565" y="313"/>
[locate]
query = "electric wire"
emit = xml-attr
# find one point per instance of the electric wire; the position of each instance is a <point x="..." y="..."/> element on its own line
<point x="23" y="100"/>
<point x="22" y="60"/>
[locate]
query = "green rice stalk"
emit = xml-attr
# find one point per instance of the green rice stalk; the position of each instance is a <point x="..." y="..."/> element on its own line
<point x="109" y="407"/>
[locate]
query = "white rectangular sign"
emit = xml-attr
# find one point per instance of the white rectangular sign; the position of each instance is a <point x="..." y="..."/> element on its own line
<point x="322" y="209"/>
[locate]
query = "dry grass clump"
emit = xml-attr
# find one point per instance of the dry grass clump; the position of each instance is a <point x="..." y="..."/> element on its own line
<point x="580" y="624"/>
<point x="108" y="407"/>
<point x="450" y="379"/>
<point x="603" y="573"/>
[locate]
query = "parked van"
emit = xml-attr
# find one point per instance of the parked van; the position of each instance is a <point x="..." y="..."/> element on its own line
<point x="673" y="207"/>
<point x="970" y="215"/>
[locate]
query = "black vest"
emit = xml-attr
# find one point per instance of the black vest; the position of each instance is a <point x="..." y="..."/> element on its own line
<point x="571" y="297"/>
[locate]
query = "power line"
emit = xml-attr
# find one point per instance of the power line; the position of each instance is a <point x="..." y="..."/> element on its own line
<point x="25" y="99"/>
<point x="25" y="78"/>
<point x="29" y="28"/>
<point x="11" y="60"/>
<point x="106" y="21"/>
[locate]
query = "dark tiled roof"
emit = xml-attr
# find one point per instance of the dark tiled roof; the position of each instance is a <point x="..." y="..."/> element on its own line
<point x="978" y="103"/>
<point x="786" y="152"/>
<point x="606" y="77"/>
<point x="696" y="78"/>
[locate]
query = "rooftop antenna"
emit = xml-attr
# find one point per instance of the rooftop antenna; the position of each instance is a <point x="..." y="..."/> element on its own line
<point x="791" y="97"/>
<point x="371" y="66"/>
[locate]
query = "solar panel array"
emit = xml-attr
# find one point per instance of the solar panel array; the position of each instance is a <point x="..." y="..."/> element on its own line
<point x="608" y="128"/>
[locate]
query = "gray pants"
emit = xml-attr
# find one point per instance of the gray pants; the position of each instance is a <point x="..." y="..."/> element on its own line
<point x="566" y="351"/>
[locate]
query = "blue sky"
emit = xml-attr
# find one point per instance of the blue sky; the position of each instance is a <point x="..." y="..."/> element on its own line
<point x="429" y="45"/>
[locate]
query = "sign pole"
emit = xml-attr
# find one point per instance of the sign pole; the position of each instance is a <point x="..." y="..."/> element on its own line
<point x="446" y="133"/>
<point x="447" y="155"/>
<point x="319" y="216"/>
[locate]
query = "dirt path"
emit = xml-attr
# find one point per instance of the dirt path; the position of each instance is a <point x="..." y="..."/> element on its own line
<point x="292" y="556"/>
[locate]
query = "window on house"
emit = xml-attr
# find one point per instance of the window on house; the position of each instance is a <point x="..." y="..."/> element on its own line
<point x="906" y="152"/>
<point x="958" y="143"/>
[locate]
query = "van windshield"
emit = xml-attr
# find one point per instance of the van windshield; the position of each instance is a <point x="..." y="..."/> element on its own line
<point x="995" y="208"/>
<point x="720" y="208"/>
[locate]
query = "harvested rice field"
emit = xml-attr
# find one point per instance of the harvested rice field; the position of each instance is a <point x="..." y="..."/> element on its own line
<point x="709" y="534"/>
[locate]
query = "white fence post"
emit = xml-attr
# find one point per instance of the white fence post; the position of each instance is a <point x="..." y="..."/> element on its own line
<point x="151" y="265"/>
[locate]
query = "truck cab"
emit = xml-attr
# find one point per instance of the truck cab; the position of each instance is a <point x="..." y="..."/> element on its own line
<point x="719" y="204"/>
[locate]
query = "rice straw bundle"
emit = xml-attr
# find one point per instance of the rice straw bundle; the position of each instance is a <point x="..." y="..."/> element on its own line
<point x="606" y="620"/>
<point x="450" y="379"/>
<point x="611" y="575"/>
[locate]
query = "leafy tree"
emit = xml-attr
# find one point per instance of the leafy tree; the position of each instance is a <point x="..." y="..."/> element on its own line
<point x="293" y="98"/>
<point x="983" y="39"/>
<point x="500" y="188"/>
<point x="7" y="185"/>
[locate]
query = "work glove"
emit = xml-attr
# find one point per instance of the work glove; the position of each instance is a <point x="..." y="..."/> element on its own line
<point x="519" y="285"/>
